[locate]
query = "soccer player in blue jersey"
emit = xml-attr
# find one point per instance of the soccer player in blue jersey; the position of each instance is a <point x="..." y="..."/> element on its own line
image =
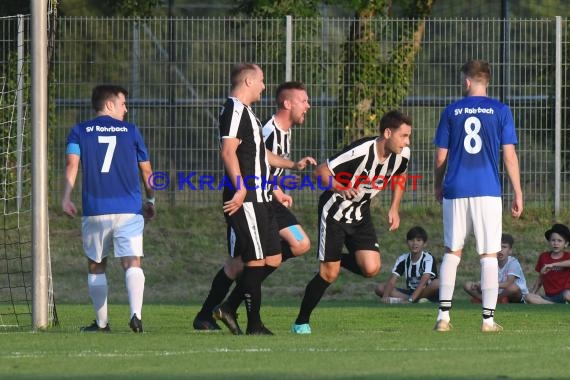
<point x="469" y="138"/>
<point x="113" y="157"/>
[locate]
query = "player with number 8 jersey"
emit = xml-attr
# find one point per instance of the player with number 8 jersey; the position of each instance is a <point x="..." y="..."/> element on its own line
<point x="469" y="138"/>
<point x="474" y="128"/>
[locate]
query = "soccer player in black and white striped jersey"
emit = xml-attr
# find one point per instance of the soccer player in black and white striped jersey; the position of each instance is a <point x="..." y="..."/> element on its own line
<point x="292" y="106"/>
<point x="253" y="235"/>
<point x="353" y="177"/>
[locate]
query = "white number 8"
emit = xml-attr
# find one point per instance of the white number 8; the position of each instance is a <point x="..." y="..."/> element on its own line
<point x="472" y="127"/>
<point x="112" y="141"/>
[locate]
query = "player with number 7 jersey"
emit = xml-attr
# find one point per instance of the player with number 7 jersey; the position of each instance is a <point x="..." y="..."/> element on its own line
<point x="113" y="158"/>
<point x="104" y="143"/>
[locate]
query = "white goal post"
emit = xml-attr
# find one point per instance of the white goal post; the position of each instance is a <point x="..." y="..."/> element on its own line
<point x="40" y="257"/>
<point x="26" y="286"/>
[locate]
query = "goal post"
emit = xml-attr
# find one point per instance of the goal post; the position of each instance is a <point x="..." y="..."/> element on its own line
<point x="40" y="255"/>
<point x="26" y="284"/>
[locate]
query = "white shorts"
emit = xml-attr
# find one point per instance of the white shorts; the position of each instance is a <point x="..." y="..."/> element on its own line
<point x="123" y="231"/>
<point x="483" y="215"/>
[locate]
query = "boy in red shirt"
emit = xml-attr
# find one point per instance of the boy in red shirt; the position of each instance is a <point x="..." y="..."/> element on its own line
<point x="554" y="269"/>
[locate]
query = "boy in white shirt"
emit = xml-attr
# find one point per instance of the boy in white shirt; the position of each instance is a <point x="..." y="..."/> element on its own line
<point x="512" y="283"/>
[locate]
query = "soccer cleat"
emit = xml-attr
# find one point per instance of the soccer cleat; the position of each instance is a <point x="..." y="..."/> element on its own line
<point x="136" y="324"/>
<point x="228" y="318"/>
<point x="205" y="324"/>
<point x="94" y="327"/>
<point x="423" y="300"/>
<point x="259" y="331"/>
<point x="304" y="328"/>
<point x="442" y="325"/>
<point x="495" y="327"/>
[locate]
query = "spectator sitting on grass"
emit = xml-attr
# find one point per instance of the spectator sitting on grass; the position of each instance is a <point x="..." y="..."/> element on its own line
<point x="554" y="269"/>
<point x="512" y="283"/>
<point x="418" y="268"/>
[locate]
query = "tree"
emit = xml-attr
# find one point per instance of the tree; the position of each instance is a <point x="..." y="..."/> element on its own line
<point x="14" y="7"/>
<point x="137" y="8"/>
<point x="124" y="8"/>
<point x="377" y="76"/>
<point x="279" y="8"/>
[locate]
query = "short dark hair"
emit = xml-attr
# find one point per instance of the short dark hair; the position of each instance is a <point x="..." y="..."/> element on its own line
<point x="417" y="232"/>
<point x="238" y="71"/>
<point x="477" y="69"/>
<point x="281" y="92"/>
<point x="393" y="120"/>
<point x="507" y="239"/>
<point x="104" y="92"/>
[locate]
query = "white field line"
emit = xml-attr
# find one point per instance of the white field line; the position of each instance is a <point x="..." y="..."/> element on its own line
<point x="120" y="354"/>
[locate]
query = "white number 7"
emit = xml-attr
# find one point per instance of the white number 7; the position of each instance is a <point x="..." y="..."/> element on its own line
<point x="112" y="141"/>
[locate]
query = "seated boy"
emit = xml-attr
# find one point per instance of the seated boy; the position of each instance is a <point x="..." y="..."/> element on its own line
<point x="418" y="267"/>
<point x="512" y="283"/>
<point x="554" y="269"/>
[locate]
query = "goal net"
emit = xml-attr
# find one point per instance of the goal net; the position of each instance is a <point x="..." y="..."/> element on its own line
<point x="16" y="257"/>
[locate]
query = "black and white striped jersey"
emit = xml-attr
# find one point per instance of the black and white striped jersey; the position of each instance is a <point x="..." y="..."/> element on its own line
<point x="413" y="271"/>
<point x="278" y="142"/>
<point x="238" y="121"/>
<point x="357" y="161"/>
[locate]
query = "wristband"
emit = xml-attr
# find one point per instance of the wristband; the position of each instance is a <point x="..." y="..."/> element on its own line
<point x="150" y="200"/>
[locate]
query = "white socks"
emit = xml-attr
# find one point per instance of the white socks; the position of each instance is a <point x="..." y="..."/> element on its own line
<point x="134" y="280"/>
<point x="448" y="272"/>
<point x="98" y="289"/>
<point x="489" y="287"/>
<point x="97" y="285"/>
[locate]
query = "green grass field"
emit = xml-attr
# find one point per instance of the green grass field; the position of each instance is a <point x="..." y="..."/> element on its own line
<point x="354" y="335"/>
<point x="350" y="340"/>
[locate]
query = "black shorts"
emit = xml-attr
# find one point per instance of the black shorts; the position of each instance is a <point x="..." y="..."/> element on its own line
<point x="252" y="232"/>
<point x="283" y="215"/>
<point x="333" y="235"/>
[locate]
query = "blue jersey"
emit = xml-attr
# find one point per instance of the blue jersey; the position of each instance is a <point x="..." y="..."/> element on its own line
<point x="110" y="151"/>
<point x="473" y="130"/>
